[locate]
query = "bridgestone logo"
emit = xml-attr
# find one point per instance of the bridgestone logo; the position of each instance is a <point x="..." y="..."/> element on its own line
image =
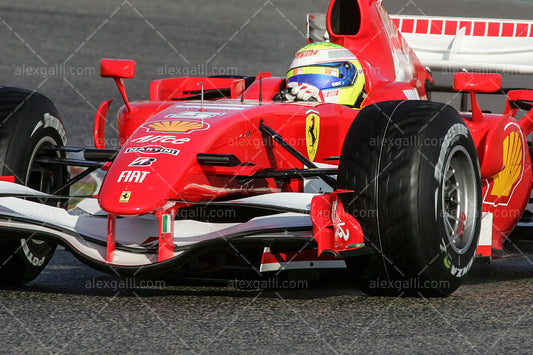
<point x="35" y="261"/>
<point x="454" y="131"/>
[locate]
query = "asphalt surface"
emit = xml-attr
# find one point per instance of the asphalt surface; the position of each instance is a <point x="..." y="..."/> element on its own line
<point x="55" y="46"/>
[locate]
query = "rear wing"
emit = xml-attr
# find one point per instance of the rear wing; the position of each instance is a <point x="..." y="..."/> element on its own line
<point x="456" y="43"/>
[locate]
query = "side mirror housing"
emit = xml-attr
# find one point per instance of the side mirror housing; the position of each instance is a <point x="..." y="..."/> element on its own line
<point x="117" y="68"/>
<point x="476" y="82"/>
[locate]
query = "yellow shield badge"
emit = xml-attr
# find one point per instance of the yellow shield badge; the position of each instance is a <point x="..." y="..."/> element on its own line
<point x="312" y="133"/>
<point x="125" y="196"/>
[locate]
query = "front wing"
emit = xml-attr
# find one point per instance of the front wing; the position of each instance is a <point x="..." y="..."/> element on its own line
<point x="83" y="231"/>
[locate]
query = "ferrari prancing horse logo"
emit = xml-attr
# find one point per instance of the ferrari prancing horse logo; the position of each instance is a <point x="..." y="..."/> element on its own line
<point x="125" y="196"/>
<point x="312" y="133"/>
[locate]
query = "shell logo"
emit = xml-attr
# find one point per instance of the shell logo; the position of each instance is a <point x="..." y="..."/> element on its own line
<point x="180" y="126"/>
<point x="512" y="159"/>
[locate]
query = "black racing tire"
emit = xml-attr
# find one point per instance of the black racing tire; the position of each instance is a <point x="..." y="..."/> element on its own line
<point x="28" y="122"/>
<point x="414" y="172"/>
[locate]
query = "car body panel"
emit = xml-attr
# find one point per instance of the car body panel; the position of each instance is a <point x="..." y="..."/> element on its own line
<point x="201" y="142"/>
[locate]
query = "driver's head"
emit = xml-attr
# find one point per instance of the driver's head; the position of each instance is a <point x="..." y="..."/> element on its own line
<point x="331" y="68"/>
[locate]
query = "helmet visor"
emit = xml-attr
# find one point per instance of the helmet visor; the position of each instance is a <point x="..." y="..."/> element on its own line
<point x="325" y="76"/>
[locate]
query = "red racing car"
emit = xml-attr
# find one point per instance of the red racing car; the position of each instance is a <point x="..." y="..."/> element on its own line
<point x="345" y="162"/>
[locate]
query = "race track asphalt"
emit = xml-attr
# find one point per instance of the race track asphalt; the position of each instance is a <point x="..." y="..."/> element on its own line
<point x="55" y="46"/>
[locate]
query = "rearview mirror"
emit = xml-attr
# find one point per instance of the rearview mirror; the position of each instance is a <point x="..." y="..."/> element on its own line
<point x="117" y="68"/>
<point x="476" y="82"/>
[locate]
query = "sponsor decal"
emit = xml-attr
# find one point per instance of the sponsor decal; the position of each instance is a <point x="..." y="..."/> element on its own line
<point x="208" y="105"/>
<point x="125" y="197"/>
<point x="312" y="133"/>
<point x="307" y="103"/>
<point x="331" y="71"/>
<point x="153" y="150"/>
<point x="195" y="114"/>
<point x="305" y="54"/>
<point x="161" y="139"/>
<point x="458" y="272"/>
<point x="340" y="232"/>
<point x="502" y="186"/>
<point x="176" y="126"/>
<point x="330" y="93"/>
<point x="34" y="260"/>
<point x="143" y="161"/>
<point x="54" y="122"/>
<point x="132" y="176"/>
<point x="512" y="160"/>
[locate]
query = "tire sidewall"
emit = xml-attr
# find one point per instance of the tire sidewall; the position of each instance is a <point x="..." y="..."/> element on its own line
<point x="409" y="236"/>
<point x="21" y="132"/>
<point x="449" y="262"/>
<point x="29" y="125"/>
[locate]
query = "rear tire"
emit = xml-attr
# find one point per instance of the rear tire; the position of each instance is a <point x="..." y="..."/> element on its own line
<point x="29" y="122"/>
<point x="414" y="171"/>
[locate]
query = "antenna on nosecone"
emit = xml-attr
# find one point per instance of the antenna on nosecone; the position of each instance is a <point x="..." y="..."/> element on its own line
<point x="260" y="90"/>
<point x="201" y="83"/>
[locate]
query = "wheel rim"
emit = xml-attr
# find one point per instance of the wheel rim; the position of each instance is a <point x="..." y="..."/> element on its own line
<point x="40" y="177"/>
<point x="459" y="199"/>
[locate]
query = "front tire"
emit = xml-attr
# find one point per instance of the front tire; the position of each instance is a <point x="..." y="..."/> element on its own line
<point x="29" y="123"/>
<point x="414" y="171"/>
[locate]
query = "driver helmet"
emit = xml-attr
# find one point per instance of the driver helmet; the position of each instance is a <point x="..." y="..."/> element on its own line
<point x="331" y="68"/>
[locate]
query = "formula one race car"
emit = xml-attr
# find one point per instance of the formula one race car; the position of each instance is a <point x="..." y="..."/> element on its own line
<point x="343" y="163"/>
